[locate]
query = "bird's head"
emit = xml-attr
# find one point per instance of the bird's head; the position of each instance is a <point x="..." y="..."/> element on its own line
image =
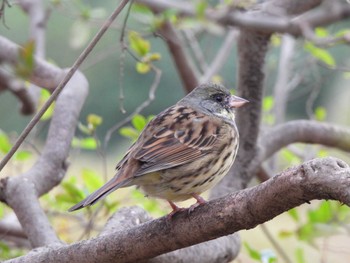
<point x="214" y="99"/>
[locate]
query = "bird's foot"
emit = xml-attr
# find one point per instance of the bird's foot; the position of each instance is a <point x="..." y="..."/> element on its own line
<point x="200" y="201"/>
<point x="175" y="208"/>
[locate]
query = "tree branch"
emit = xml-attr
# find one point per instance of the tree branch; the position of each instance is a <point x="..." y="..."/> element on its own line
<point x="306" y="132"/>
<point x="22" y="192"/>
<point x="264" y="20"/>
<point x="17" y="87"/>
<point x="181" y="59"/>
<point x="327" y="178"/>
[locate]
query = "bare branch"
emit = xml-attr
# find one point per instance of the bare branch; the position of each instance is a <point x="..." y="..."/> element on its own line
<point x="304" y="131"/>
<point x="62" y="83"/>
<point x="265" y="20"/>
<point x="151" y="96"/>
<point x="327" y="178"/>
<point x="221" y="56"/>
<point x="18" y="88"/>
<point x="176" y="48"/>
<point x="281" y="90"/>
<point x="22" y="192"/>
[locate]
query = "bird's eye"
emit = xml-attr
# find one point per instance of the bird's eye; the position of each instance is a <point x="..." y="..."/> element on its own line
<point x="218" y="97"/>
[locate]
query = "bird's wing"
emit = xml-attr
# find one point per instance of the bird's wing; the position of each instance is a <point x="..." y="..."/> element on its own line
<point x="177" y="136"/>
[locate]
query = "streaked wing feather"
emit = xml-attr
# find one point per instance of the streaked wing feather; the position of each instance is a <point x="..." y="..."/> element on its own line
<point x="174" y="143"/>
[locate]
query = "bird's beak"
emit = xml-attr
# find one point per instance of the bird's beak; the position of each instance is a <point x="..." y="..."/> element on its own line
<point x="236" y="102"/>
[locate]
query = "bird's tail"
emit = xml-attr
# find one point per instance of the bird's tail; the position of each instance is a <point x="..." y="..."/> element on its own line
<point x="102" y="192"/>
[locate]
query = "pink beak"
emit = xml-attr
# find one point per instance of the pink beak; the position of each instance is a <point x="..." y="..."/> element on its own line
<point x="236" y="102"/>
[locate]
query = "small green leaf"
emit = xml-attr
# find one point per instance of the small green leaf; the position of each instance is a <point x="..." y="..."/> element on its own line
<point x="91" y="179"/>
<point x="321" y="32"/>
<point x="5" y="144"/>
<point x="154" y="56"/>
<point x="254" y="254"/>
<point x="88" y="143"/>
<point x="275" y="40"/>
<point x="74" y="192"/>
<point x="22" y="155"/>
<point x="25" y="65"/>
<point x="201" y="6"/>
<point x="129" y="132"/>
<point x="294" y="214"/>
<point x="139" y="122"/>
<point x="142" y="67"/>
<point x="285" y="234"/>
<point x="138" y="44"/>
<point x="323" y="214"/>
<point x="268" y="103"/>
<point x="44" y="96"/>
<point x="320" y="53"/>
<point x="94" y="121"/>
<point x="320" y="113"/>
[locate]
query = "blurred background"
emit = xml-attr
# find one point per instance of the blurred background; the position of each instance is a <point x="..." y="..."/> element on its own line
<point x="321" y="91"/>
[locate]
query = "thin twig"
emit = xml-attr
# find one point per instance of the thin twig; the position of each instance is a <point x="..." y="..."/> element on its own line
<point x="122" y="60"/>
<point x="62" y="84"/>
<point x="151" y="96"/>
<point x="275" y="244"/>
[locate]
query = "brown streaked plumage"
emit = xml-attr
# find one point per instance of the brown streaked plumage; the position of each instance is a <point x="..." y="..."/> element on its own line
<point x="184" y="151"/>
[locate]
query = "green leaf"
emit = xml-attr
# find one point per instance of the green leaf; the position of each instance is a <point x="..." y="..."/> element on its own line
<point x="323" y="214"/>
<point x="268" y="103"/>
<point x="88" y="143"/>
<point x="201" y="6"/>
<point x="22" y="155"/>
<point x="91" y="179"/>
<point x="5" y="144"/>
<point x="129" y="132"/>
<point x="294" y="214"/>
<point x="254" y="254"/>
<point x="154" y="56"/>
<point x="25" y="65"/>
<point x="94" y="121"/>
<point x="320" y="113"/>
<point x="320" y="53"/>
<point x="79" y="34"/>
<point x="139" y="122"/>
<point x="299" y="255"/>
<point x="321" y="32"/>
<point x="142" y="67"/>
<point x="44" y="96"/>
<point x="75" y="193"/>
<point x="138" y="44"/>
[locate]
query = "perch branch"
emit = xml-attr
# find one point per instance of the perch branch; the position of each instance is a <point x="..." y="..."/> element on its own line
<point x="327" y="178"/>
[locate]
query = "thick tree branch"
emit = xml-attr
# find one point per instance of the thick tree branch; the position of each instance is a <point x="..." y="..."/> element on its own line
<point x="22" y="192"/>
<point x="327" y="178"/>
<point x="306" y="132"/>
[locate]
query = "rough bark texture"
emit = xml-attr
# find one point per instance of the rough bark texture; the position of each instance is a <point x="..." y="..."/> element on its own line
<point x="327" y="178"/>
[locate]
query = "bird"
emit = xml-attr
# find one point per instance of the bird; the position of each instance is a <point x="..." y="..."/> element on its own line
<point x="182" y="152"/>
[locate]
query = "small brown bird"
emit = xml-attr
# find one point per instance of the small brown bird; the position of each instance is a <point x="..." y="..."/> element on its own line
<point x="183" y="151"/>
